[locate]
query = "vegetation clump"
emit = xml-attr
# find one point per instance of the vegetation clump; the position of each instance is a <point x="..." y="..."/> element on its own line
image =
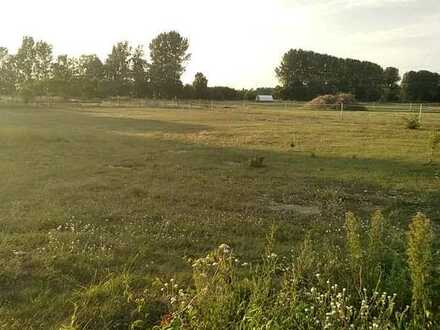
<point x="256" y="162"/>
<point x="334" y="102"/>
<point x="318" y="286"/>
<point x="434" y="143"/>
<point x="412" y="122"/>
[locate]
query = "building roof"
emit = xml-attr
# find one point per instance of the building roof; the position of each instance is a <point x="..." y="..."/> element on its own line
<point x="265" y="98"/>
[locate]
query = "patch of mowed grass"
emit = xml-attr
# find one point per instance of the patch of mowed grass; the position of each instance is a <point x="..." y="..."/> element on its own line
<point x="96" y="191"/>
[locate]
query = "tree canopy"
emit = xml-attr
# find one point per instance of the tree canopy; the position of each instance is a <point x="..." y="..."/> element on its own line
<point x="200" y="85"/>
<point x="169" y="53"/>
<point x="126" y="71"/>
<point x="304" y="75"/>
<point x="421" y="86"/>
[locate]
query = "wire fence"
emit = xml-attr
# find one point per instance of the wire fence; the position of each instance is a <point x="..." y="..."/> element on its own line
<point x="215" y="104"/>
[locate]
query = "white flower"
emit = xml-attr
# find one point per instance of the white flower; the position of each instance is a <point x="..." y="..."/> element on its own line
<point x="225" y="248"/>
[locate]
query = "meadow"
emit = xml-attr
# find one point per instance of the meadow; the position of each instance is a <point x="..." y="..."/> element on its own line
<point x="91" y="194"/>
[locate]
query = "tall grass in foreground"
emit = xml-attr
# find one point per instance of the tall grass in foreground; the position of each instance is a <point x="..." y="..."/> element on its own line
<point x="378" y="280"/>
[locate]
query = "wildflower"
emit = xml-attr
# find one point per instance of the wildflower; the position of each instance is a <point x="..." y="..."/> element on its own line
<point x="225" y="248"/>
<point x="272" y="255"/>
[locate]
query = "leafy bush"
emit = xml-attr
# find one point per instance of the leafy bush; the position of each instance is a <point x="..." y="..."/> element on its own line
<point x="256" y="162"/>
<point x="412" y="122"/>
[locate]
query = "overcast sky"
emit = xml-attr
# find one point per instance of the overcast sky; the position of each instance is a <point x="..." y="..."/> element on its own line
<point x="237" y="42"/>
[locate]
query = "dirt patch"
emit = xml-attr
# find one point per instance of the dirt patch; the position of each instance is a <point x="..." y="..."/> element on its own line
<point x="231" y="163"/>
<point x="300" y="209"/>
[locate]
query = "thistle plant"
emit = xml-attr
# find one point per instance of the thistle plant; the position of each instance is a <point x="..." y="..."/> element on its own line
<point x="420" y="238"/>
<point x="434" y="143"/>
<point x="376" y="247"/>
<point x="354" y="246"/>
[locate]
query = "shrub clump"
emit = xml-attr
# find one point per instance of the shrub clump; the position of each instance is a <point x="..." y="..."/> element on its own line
<point x="412" y="122"/>
<point x="333" y="102"/>
<point x="256" y="162"/>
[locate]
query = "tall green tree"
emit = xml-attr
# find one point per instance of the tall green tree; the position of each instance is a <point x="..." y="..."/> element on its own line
<point x="64" y="80"/>
<point x="33" y="67"/>
<point x="304" y="75"/>
<point x="200" y="85"/>
<point x="43" y="61"/>
<point x="7" y="73"/>
<point x="421" y="86"/>
<point x="117" y="69"/>
<point x="25" y="59"/>
<point x="391" y="90"/>
<point x="169" y="53"/>
<point x="139" y="68"/>
<point x="91" y="74"/>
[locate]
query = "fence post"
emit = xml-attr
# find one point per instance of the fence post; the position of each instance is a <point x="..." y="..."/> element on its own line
<point x="420" y="113"/>
<point x="342" y="111"/>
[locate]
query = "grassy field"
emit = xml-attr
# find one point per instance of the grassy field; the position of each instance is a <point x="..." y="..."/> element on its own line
<point x="90" y="192"/>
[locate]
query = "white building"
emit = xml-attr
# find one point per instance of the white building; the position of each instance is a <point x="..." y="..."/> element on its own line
<point x="264" y="98"/>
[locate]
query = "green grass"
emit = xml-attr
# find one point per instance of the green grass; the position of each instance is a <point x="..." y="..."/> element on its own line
<point x="90" y="192"/>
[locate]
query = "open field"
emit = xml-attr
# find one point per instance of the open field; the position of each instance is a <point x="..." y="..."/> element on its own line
<point x="92" y="191"/>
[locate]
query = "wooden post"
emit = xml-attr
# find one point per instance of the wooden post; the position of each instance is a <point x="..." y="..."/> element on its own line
<point x="342" y="111"/>
<point x="420" y="113"/>
<point x="410" y="108"/>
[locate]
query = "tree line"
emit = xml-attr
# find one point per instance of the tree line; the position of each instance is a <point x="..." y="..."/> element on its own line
<point x="304" y="75"/>
<point x="33" y="71"/>
<point x="126" y="72"/>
